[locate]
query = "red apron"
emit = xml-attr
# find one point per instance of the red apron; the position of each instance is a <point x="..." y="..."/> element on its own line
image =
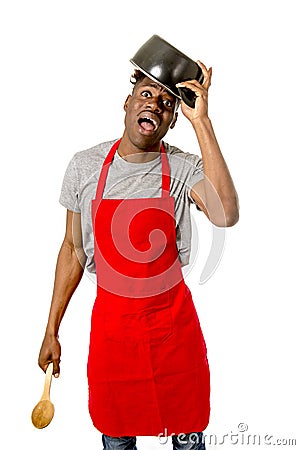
<point x="147" y="367"/>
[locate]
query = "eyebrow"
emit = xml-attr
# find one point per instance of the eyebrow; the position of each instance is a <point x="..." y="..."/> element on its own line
<point x="156" y="85"/>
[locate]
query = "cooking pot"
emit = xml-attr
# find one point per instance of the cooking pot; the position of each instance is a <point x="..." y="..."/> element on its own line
<point x="163" y="63"/>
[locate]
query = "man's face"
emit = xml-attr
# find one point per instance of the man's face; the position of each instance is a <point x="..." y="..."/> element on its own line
<point x="150" y="112"/>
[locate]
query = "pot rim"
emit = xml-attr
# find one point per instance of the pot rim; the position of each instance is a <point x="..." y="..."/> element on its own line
<point x="155" y="79"/>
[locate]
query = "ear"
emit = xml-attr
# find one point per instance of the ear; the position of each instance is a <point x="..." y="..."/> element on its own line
<point x="174" y="121"/>
<point x="126" y="102"/>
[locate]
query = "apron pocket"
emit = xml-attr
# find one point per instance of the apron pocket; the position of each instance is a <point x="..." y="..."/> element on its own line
<point x="137" y="320"/>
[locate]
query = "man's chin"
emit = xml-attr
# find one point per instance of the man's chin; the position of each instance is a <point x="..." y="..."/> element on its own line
<point x="146" y="141"/>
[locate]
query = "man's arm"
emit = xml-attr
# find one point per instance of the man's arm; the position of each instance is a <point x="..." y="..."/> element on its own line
<point x="215" y="194"/>
<point x="69" y="269"/>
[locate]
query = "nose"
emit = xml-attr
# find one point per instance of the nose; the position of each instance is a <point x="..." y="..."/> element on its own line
<point x="155" y="103"/>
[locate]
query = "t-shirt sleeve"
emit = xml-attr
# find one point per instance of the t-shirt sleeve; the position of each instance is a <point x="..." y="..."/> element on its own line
<point x="69" y="190"/>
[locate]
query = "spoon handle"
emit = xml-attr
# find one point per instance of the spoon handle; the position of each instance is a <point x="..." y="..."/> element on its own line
<point x="47" y="385"/>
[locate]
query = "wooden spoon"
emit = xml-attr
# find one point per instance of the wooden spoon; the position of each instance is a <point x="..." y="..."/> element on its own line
<point x="43" y="412"/>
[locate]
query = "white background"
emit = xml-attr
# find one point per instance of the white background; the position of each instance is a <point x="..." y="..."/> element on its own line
<point x="64" y="77"/>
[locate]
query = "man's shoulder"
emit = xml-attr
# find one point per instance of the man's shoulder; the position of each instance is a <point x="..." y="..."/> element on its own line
<point x="177" y="155"/>
<point x="94" y="154"/>
<point x="86" y="164"/>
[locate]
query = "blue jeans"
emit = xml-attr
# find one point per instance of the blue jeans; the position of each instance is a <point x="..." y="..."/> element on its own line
<point x="191" y="441"/>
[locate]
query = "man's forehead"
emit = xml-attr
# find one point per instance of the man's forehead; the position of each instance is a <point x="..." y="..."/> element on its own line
<point x="151" y="83"/>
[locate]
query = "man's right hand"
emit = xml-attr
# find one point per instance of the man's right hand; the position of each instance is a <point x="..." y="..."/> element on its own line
<point x="50" y="352"/>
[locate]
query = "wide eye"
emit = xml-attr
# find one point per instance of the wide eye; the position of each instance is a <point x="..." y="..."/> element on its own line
<point x="146" y="94"/>
<point x="168" y="103"/>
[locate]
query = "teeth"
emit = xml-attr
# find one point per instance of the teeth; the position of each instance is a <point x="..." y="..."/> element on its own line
<point x="153" y="122"/>
<point x="148" y="119"/>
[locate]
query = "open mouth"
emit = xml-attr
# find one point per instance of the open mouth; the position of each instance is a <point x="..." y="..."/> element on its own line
<point x="148" y="122"/>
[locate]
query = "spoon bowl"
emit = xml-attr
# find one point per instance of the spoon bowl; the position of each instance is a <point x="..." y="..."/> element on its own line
<point x="43" y="412"/>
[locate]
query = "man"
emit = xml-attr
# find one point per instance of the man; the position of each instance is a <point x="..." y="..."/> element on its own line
<point x="128" y="219"/>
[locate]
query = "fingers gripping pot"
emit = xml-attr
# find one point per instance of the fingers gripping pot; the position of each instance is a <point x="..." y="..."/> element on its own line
<point x="168" y="66"/>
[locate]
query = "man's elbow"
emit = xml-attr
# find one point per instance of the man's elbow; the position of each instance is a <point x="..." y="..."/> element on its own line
<point x="228" y="218"/>
<point x="232" y="218"/>
<point x="75" y="252"/>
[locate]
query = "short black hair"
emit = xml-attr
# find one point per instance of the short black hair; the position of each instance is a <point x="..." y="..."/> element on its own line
<point x="138" y="76"/>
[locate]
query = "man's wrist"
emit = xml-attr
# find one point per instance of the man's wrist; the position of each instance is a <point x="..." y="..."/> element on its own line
<point x="51" y="332"/>
<point x="201" y="123"/>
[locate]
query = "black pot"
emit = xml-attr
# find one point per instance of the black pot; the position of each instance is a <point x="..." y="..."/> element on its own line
<point x="168" y="66"/>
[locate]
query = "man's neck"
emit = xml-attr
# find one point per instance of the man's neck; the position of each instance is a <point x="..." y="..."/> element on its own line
<point x="131" y="153"/>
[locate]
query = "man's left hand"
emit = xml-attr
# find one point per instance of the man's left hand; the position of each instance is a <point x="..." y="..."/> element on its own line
<point x="201" y="91"/>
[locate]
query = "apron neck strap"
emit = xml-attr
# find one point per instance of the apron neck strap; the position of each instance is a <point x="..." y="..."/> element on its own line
<point x="104" y="171"/>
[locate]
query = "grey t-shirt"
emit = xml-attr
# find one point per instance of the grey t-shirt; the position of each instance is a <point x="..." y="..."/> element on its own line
<point x="130" y="180"/>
